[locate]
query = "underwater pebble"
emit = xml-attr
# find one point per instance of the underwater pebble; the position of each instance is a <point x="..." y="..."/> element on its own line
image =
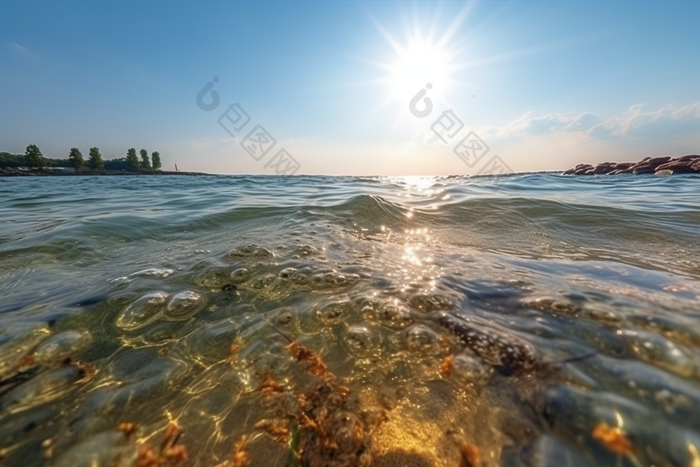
<point x="331" y="313"/>
<point x="347" y="430"/>
<point x="41" y="389"/>
<point x="184" y="305"/>
<point x="639" y="380"/>
<point x="294" y="275"/>
<point x="143" y="311"/>
<point x="250" y="251"/>
<point x="573" y="413"/>
<point x="552" y="305"/>
<point x="304" y="251"/>
<point x="145" y="380"/>
<point x="285" y="316"/>
<point x="213" y="278"/>
<point x="430" y="302"/>
<point x="262" y="282"/>
<point x="657" y="350"/>
<point x="333" y="279"/>
<point x="394" y="315"/>
<point x="153" y="272"/>
<point x="212" y="343"/>
<point x="470" y="370"/>
<point x="675" y="328"/>
<point x="550" y="451"/>
<point x="421" y="339"/>
<point x="360" y="340"/>
<point x="16" y="426"/>
<point x="241" y="275"/>
<point x="24" y="337"/>
<point x="102" y="449"/>
<point x="61" y="346"/>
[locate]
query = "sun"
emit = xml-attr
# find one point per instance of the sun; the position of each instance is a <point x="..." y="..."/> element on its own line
<point x="416" y="65"/>
<point x="427" y="56"/>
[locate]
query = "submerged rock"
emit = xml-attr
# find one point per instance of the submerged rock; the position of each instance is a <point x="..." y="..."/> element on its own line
<point x="41" y="389"/>
<point x="507" y="353"/>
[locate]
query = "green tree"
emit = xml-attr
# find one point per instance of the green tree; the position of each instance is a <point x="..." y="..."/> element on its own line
<point x="145" y="161"/>
<point x="33" y="157"/>
<point x="76" y="159"/>
<point x="155" y="157"/>
<point x="96" y="162"/>
<point x="132" y="160"/>
<point x="117" y="164"/>
<point x="12" y="160"/>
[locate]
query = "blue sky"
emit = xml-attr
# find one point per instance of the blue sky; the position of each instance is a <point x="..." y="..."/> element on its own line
<point x="545" y="84"/>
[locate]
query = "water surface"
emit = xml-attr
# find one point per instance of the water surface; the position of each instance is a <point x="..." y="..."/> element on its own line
<point x="534" y="320"/>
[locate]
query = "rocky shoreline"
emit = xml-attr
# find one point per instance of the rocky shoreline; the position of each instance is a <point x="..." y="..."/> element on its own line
<point x="11" y="172"/>
<point x="665" y="165"/>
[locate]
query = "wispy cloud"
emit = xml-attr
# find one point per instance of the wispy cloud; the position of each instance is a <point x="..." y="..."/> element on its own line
<point x="636" y="119"/>
<point x="531" y="124"/>
<point x="19" y="48"/>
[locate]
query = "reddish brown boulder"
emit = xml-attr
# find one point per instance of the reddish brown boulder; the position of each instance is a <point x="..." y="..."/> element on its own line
<point x="649" y="165"/>
<point x="581" y="169"/>
<point x="659" y="160"/>
<point x="624" y="165"/>
<point x="643" y="169"/>
<point x="605" y="167"/>
<point x="678" y="167"/>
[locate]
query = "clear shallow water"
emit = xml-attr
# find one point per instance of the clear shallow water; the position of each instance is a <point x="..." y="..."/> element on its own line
<point x="524" y="317"/>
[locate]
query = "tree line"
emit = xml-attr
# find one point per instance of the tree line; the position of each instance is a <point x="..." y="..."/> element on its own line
<point x="33" y="158"/>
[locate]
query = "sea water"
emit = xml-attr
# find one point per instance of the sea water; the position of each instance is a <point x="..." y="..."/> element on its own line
<point x="522" y="320"/>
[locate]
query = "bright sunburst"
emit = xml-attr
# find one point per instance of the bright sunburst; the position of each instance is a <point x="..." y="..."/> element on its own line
<point x="425" y="57"/>
<point x="416" y="65"/>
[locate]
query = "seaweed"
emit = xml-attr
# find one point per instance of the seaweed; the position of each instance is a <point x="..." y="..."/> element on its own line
<point x="314" y="364"/>
<point x="170" y="453"/>
<point x="240" y="458"/>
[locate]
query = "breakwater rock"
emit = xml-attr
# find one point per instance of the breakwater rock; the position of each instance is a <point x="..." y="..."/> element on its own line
<point x="648" y="165"/>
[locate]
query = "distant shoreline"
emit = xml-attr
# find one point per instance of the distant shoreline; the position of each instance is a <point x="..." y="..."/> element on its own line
<point x="61" y="173"/>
